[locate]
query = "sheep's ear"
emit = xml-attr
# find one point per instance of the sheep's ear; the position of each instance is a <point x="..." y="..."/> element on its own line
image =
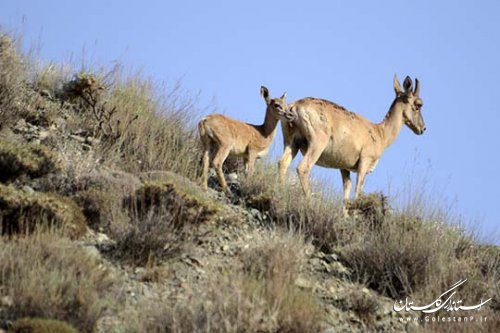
<point x="397" y="86"/>
<point x="265" y="93"/>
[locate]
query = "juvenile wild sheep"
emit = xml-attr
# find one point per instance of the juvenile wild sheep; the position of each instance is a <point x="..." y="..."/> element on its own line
<point x="222" y="136"/>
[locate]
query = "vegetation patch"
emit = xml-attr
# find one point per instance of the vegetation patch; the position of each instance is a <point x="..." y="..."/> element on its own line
<point x="318" y="218"/>
<point x="47" y="276"/>
<point x="23" y="212"/>
<point x="18" y="159"/>
<point x="371" y="208"/>
<point x="255" y="297"/>
<point x="185" y="205"/>
<point x="163" y="217"/>
<point x="39" y="325"/>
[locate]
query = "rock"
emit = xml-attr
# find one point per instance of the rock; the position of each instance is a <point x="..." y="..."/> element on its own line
<point x="78" y="138"/>
<point x="6" y="301"/>
<point x="102" y="238"/>
<point x="232" y="177"/>
<point x="329" y="258"/>
<point x="92" y="141"/>
<point x="92" y="252"/>
<point x="255" y="213"/>
<point x="21" y="125"/>
<point x="339" y="270"/>
<point x="28" y="189"/>
<point x="43" y="135"/>
<point x="303" y="283"/>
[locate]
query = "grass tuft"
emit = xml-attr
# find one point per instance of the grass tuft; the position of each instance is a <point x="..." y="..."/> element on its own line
<point x="48" y="276"/>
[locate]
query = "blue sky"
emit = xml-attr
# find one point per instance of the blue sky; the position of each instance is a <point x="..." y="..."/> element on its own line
<point x="343" y="51"/>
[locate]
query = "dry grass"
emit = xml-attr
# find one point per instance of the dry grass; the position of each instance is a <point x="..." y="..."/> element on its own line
<point x="23" y="213"/>
<point x="256" y="297"/>
<point x="412" y="250"/>
<point x="161" y="138"/>
<point x="416" y="249"/>
<point x="12" y="77"/>
<point x="18" y="159"/>
<point x="39" y="325"/>
<point x="163" y="216"/>
<point x="48" y="276"/>
<point x="362" y="302"/>
<point x="139" y="129"/>
<point x="318" y="218"/>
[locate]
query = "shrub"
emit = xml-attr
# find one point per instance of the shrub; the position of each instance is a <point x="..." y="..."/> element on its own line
<point x="258" y="296"/>
<point x="318" y="217"/>
<point x="371" y="208"/>
<point x="12" y="80"/>
<point x="22" y="212"/>
<point x="364" y="304"/>
<point x="235" y="303"/>
<point x="185" y="207"/>
<point x="163" y="216"/>
<point x="101" y="208"/>
<point x="48" y="276"/>
<point x="396" y="259"/>
<point x="18" y="159"/>
<point x="151" y="237"/>
<point x="38" y="325"/>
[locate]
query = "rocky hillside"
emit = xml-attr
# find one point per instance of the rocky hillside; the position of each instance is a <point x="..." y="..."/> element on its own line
<point x="104" y="227"/>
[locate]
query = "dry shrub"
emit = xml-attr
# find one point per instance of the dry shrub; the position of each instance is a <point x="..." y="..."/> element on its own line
<point x="163" y="217"/>
<point x="271" y="268"/>
<point x="278" y="257"/>
<point x="100" y="208"/>
<point x="397" y="258"/>
<point x="23" y="212"/>
<point x="18" y="159"/>
<point x="48" y="276"/>
<point x="12" y="81"/>
<point x="49" y="79"/>
<point x="39" y="325"/>
<point x="156" y="133"/>
<point x="259" y="297"/>
<point x="318" y="217"/>
<point x="362" y="302"/>
<point x="421" y="257"/>
<point x="372" y="208"/>
<point x="151" y="237"/>
<point x="416" y="250"/>
<point x="165" y="195"/>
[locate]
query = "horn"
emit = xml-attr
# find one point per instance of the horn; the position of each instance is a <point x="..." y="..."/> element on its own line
<point x="417" y="88"/>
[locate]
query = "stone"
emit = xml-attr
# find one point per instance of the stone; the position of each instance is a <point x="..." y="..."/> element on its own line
<point x="329" y="258"/>
<point x="77" y="138"/>
<point x="232" y="177"/>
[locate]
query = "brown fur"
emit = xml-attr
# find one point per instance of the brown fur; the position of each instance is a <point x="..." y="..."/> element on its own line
<point x="331" y="136"/>
<point x="222" y="136"/>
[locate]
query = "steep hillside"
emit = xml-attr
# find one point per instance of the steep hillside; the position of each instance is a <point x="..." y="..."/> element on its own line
<point x="104" y="227"/>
